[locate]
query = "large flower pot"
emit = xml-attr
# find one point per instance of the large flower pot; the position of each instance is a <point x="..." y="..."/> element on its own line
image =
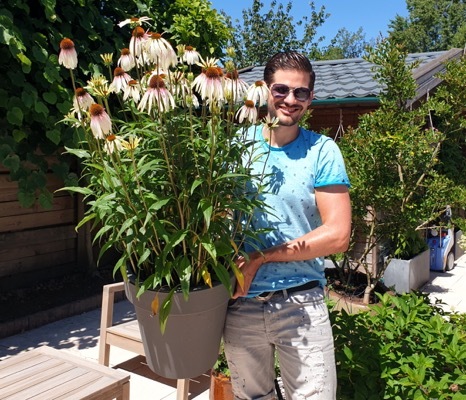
<point x="190" y="344"/>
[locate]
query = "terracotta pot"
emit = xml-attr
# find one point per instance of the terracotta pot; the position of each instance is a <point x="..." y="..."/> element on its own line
<point x="191" y="341"/>
<point x="220" y="387"/>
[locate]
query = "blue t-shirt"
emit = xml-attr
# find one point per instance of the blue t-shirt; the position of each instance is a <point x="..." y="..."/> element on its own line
<point x="291" y="173"/>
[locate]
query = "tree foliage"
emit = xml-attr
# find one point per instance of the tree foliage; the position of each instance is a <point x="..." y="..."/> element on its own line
<point x="33" y="92"/>
<point x="393" y="162"/>
<point x="263" y="34"/>
<point x="345" y="44"/>
<point x="431" y="25"/>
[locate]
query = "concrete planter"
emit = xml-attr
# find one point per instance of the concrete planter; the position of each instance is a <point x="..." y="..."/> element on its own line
<point x="407" y="275"/>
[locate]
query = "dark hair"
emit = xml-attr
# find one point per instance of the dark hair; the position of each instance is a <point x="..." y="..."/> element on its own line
<point x="289" y="60"/>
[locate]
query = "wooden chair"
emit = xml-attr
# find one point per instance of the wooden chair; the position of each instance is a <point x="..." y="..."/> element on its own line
<point x="125" y="336"/>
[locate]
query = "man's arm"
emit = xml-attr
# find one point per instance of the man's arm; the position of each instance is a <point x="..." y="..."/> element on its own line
<point x="331" y="237"/>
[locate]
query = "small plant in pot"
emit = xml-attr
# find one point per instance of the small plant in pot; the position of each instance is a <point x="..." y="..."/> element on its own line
<point x="166" y="181"/>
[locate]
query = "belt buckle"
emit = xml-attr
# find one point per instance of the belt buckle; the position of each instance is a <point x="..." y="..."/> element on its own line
<point x="265" y="298"/>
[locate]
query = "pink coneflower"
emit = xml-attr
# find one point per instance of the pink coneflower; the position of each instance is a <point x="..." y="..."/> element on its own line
<point x="210" y="82"/>
<point x="138" y="37"/>
<point x="126" y="60"/>
<point x="82" y="100"/>
<point x="68" y="56"/>
<point x="101" y="125"/>
<point x="258" y="93"/>
<point x="157" y="96"/>
<point x="160" y="51"/>
<point x="112" y="143"/>
<point x="133" y="90"/>
<point x="235" y="88"/>
<point x="247" y="112"/>
<point x="190" y="55"/>
<point x="120" y="80"/>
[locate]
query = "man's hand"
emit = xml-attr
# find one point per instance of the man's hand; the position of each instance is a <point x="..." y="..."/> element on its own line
<point x="249" y="267"/>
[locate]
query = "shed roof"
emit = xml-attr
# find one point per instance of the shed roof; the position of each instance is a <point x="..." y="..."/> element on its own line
<point x="353" y="80"/>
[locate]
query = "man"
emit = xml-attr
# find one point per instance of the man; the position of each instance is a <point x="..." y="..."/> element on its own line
<point x="281" y="305"/>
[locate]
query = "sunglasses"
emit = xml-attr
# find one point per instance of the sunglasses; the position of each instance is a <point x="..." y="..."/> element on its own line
<point x="280" y="91"/>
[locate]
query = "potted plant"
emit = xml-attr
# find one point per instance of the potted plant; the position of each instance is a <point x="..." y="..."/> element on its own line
<point x="166" y="181"/>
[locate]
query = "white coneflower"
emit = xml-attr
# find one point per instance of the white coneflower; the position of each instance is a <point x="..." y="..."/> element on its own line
<point x="235" y="88"/>
<point x="126" y="60"/>
<point x="131" y="144"/>
<point x="269" y="124"/>
<point x="190" y="55"/>
<point x="160" y="51"/>
<point x="82" y="99"/>
<point x="210" y="82"/>
<point x="120" y="80"/>
<point x="98" y="86"/>
<point x="258" y="93"/>
<point x="107" y="58"/>
<point x="138" y="37"/>
<point x="133" y="90"/>
<point x="134" y="21"/>
<point x="157" y="96"/>
<point x="68" y="56"/>
<point x="247" y="112"/>
<point x="112" y="143"/>
<point x="101" y="125"/>
<point x="179" y="86"/>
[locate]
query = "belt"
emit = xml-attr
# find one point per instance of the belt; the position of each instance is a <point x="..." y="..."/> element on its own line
<point x="264" y="296"/>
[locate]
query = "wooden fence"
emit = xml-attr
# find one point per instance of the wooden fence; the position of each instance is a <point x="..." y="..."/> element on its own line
<point x="36" y="243"/>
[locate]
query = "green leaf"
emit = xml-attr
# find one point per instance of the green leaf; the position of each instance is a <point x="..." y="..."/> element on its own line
<point x="26" y="198"/>
<point x="41" y="108"/>
<point x="19" y="135"/>
<point x="54" y="136"/>
<point x="50" y="97"/>
<point x="164" y="310"/>
<point x="12" y="162"/>
<point x="15" y="116"/>
<point x="46" y="199"/>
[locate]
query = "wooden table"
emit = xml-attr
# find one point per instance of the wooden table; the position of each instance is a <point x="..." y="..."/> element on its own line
<point x="46" y="373"/>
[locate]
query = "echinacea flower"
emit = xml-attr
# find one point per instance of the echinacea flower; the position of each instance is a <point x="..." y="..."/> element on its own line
<point x="112" y="143"/>
<point x="131" y="144"/>
<point x="269" y="124"/>
<point x="157" y="96"/>
<point x="160" y="51"/>
<point x="82" y="99"/>
<point x="258" y="93"/>
<point x="134" y="21"/>
<point x="247" y="112"/>
<point x="138" y="37"/>
<point x="210" y="82"/>
<point x="107" y="58"/>
<point x="68" y="56"/>
<point x="98" y="86"/>
<point x="190" y="55"/>
<point x="126" y="60"/>
<point x="101" y="125"/>
<point x="120" y="80"/>
<point x="133" y="90"/>
<point x="235" y="88"/>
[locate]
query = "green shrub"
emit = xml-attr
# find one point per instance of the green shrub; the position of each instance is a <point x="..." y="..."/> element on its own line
<point x="402" y="348"/>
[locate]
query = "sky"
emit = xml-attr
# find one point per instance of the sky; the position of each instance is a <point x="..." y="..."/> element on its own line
<point x="372" y="15"/>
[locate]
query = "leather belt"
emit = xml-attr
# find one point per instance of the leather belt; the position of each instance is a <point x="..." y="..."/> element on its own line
<point x="264" y="296"/>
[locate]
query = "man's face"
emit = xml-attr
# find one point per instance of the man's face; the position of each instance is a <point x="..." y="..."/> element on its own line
<point x="288" y="109"/>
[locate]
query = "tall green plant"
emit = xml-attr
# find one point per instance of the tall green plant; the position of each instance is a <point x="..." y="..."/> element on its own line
<point x="392" y="160"/>
<point x="34" y="91"/>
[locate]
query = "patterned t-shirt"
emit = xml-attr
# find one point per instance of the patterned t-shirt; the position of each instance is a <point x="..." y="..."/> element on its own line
<point x="291" y="173"/>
